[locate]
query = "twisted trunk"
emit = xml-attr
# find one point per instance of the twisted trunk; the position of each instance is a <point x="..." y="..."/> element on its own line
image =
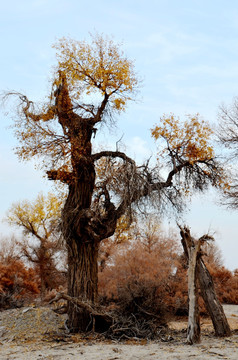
<point x="81" y="231"/>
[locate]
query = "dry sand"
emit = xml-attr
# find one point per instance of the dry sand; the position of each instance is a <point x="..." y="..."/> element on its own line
<point x="22" y="338"/>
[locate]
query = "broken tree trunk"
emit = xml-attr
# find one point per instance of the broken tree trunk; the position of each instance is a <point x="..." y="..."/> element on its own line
<point x="194" y="330"/>
<point x="211" y="301"/>
<point x="207" y="288"/>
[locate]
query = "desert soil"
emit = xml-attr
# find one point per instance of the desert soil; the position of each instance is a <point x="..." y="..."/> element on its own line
<point x="38" y="333"/>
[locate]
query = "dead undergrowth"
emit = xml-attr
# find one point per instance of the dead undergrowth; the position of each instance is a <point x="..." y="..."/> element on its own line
<point x="41" y="324"/>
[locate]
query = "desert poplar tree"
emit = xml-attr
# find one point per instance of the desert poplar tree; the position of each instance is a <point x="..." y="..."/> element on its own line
<point x="92" y="83"/>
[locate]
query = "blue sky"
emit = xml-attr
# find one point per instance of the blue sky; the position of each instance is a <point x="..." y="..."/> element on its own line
<point x="186" y="52"/>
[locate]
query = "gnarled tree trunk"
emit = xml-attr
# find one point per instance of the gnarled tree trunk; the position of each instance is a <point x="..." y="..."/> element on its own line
<point x="82" y="248"/>
<point x="83" y="228"/>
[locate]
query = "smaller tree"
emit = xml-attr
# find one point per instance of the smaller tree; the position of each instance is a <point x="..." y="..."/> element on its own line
<point x="40" y="221"/>
<point x="192" y="250"/>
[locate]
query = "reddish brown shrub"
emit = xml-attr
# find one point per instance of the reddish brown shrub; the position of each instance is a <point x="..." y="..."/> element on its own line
<point x="150" y="274"/>
<point x="17" y="284"/>
<point x="226" y="284"/>
<point x="143" y="278"/>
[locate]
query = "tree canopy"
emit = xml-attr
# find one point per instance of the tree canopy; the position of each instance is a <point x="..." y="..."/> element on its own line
<point x="39" y="218"/>
<point x="186" y="152"/>
<point x="90" y="82"/>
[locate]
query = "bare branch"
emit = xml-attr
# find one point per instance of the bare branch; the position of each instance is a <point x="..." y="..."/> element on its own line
<point x="112" y="154"/>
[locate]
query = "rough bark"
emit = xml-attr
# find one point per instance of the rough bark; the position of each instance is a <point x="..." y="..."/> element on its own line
<point x="81" y="245"/>
<point x="82" y="236"/>
<point x="207" y="288"/>
<point x="82" y="248"/>
<point x="82" y="282"/>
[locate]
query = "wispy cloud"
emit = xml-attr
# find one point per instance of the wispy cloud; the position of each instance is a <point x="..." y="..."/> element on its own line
<point x="139" y="149"/>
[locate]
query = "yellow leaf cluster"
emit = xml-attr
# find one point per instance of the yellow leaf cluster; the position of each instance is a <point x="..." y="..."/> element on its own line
<point x="188" y="140"/>
<point x="91" y="80"/>
<point x="99" y="67"/>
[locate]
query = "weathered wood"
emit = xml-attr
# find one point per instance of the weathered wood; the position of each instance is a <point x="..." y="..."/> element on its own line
<point x="194" y="329"/>
<point x="192" y="250"/>
<point x="207" y="288"/>
<point x="213" y="305"/>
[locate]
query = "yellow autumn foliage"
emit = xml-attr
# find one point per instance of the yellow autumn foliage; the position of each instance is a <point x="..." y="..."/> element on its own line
<point x="98" y="77"/>
<point x="188" y="140"/>
<point x="37" y="216"/>
<point x="99" y="67"/>
<point x="124" y="230"/>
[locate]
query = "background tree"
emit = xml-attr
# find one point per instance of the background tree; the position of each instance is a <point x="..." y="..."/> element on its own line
<point x="228" y="137"/>
<point x="226" y="284"/>
<point x="93" y="82"/>
<point x="212" y="255"/>
<point x="40" y="245"/>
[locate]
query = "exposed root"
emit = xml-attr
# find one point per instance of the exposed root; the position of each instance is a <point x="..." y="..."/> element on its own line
<point x="101" y="319"/>
<point x="83" y="305"/>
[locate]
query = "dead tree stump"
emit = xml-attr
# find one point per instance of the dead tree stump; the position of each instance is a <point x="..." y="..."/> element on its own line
<point x="194" y="329"/>
<point x="206" y="284"/>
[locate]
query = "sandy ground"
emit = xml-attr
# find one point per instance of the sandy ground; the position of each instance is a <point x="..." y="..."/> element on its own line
<point x="29" y="345"/>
